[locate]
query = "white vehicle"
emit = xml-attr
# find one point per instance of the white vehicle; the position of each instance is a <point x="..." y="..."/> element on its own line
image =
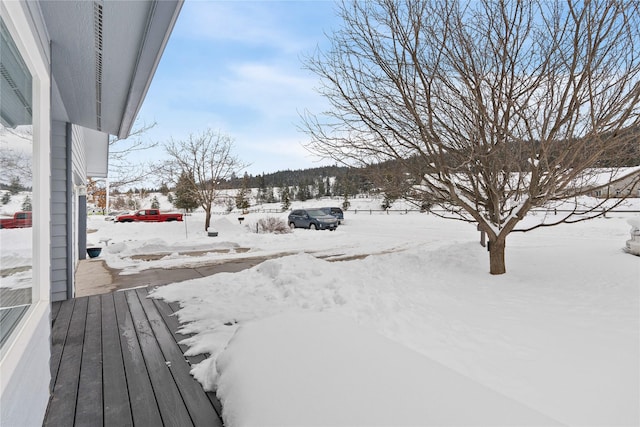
<point x="111" y="216"/>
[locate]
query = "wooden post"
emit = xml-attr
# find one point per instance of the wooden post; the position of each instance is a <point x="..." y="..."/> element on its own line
<point x="483" y="237"/>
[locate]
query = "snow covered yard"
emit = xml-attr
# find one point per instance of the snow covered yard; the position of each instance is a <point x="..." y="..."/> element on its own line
<point x="15" y="258"/>
<point x="558" y="333"/>
<point x="557" y="336"/>
<point x="15" y="248"/>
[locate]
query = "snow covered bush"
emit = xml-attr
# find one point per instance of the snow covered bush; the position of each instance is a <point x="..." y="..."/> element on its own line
<point x="26" y="204"/>
<point x="271" y="225"/>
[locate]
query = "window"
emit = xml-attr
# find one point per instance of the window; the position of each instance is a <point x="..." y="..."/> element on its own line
<point x="16" y="184"/>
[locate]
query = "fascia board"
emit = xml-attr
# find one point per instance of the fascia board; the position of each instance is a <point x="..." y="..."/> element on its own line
<point x="161" y="23"/>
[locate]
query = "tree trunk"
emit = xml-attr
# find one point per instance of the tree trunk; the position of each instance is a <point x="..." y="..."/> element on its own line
<point x="207" y="220"/>
<point x="496" y="256"/>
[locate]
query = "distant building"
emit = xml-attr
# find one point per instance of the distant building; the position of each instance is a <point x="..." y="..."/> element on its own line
<point x="611" y="186"/>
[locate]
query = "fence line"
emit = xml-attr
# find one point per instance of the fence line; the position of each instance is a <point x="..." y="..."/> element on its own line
<point x="405" y="211"/>
<point x="412" y="211"/>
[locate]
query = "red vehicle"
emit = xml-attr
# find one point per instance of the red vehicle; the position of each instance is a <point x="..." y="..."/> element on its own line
<point x="149" y="215"/>
<point x="19" y="220"/>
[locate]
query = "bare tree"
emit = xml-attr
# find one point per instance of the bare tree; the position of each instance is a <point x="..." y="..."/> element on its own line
<point x="124" y="169"/>
<point x="207" y="160"/>
<point x="499" y="106"/>
<point x="16" y="163"/>
<point x="97" y="194"/>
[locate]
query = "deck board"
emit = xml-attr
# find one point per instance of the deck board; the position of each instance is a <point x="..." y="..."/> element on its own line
<point x="116" y="362"/>
<point x="59" y="335"/>
<point x="167" y="311"/>
<point x="117" y="411"/>
<point x="62" y="406"/>
<point x="89" y="404"/>
<point x="172" y="407"/>
<point x="198" y="404"/>
<point x="55" y="309"/>
<point x="144" y="407"/>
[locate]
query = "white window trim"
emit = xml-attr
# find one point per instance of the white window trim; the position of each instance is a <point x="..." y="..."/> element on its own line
<point x="27" y="342"/>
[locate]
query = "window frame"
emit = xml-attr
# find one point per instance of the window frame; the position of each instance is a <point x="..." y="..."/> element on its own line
<point x="16" y="18"/>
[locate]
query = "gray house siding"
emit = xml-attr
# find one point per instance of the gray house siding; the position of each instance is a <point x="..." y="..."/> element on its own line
<point x="59" y="272"/>
<point x="79" y="158"/>
<point x="77" y="200"/>
<point x="68" y="165"/>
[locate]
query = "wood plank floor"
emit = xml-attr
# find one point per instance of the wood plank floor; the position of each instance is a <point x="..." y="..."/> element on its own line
<point x="116" y="361"/>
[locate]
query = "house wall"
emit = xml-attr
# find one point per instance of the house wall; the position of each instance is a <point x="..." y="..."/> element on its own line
<point x="628" y="187"/>
<point x="59" y="230"/>
<point x="79" y="157"/>
<point x="24" y="366"/>
<point x="78" y="246"/>
<point x="68" y="165"/>
<point x="59" y="161"/>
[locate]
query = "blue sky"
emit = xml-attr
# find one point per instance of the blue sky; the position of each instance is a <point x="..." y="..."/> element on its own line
<point x="237" y="67"/>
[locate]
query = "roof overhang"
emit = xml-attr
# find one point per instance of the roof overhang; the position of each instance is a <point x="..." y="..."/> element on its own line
<point x="97" y="151"/>
<point x="104" y="54"/>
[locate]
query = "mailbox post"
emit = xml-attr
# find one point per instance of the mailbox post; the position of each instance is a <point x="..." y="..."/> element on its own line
<point x="633" y="244"/>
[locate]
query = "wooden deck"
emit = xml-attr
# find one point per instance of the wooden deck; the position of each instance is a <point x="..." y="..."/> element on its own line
<point x="115" y="362"/>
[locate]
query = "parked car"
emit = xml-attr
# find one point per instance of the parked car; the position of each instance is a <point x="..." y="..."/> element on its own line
<point x="18" y="220"/>
<point x="336" y="212"/>
<point x="313" y="219"/>
<point x="149" y="215"/>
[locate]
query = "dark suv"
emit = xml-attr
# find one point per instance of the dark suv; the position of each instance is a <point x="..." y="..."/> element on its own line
<point x="314" y="219"/>
<point x="336" y="212"/>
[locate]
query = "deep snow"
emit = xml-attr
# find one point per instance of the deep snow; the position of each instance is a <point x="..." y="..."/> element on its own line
<point x="325" y="370"/>
<point x="558" y="333"/>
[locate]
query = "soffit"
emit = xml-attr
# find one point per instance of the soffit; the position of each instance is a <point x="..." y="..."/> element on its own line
<point x="104" y="55"/>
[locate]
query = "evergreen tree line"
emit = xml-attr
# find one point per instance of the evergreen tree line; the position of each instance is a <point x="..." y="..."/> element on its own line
<point x="304" y="184"/>
<point x="14" y="187"/>
<point x="285" y="187"/>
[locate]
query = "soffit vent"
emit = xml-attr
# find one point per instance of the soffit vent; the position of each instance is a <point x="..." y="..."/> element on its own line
<point x="97" y="28"/>
<point x="23" y="103"/>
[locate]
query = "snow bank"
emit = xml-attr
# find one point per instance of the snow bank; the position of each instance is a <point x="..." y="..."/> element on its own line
<point x="325" y="370"/>
<point x="559" y="332"/>
<point x="225" y="226"/>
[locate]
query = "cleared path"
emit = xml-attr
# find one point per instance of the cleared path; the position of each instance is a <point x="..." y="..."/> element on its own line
<point x="95" y="277"/>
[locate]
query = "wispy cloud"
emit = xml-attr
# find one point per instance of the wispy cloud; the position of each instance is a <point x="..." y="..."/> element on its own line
<point x="272" y="152"/>
<point x="256" y="23"/>
<point x="237" y="67"/>
<point x="272" y="90"/>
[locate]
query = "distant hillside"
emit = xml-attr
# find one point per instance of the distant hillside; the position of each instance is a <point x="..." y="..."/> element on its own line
<point x="289" y="177"/>
<point x="321" y="181"/>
